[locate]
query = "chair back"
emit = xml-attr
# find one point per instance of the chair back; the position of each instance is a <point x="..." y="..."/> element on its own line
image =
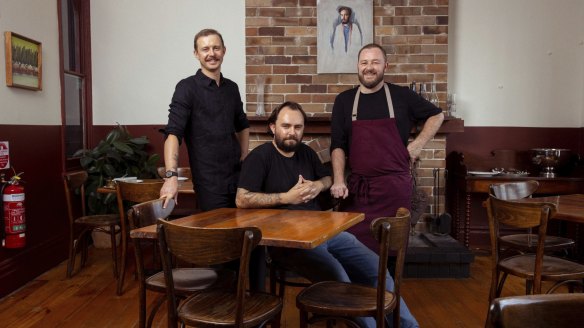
<point x="75" y="181"/>
<point x="519" y="215"/>
<point x="148" y="213"/>
<point x="514" y="190"/>
<point x="392" y="234"/>
<point x="182" y="172"/>
<point x="203" y="247"/>
<point x="136" y="193"/>
<point x="545" y="311"/>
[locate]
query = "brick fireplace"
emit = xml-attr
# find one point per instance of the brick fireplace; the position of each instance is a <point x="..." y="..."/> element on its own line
<point x="281" y="49"/>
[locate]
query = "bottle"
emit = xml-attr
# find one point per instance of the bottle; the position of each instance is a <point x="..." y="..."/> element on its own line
<point x="434" y="96"/>
<point x="423" y="92"/>
<point x="413" y="87"/>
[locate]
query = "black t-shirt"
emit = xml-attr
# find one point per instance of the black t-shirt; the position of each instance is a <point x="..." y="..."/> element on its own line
<point x="266" y="170"/>
<point x="408" y="107"/>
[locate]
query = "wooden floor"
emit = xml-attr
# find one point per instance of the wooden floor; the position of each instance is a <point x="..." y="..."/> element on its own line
<point x="89" y="300"/>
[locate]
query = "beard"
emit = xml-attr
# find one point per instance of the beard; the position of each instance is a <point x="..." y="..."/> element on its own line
<point x="287" y="145"/>
<point x="370" y="84"/>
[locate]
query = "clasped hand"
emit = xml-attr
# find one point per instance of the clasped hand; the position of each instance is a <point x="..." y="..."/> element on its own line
<point x="303" y="191"/>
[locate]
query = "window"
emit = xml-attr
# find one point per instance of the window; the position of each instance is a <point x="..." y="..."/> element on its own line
<point x="76" y="76"/>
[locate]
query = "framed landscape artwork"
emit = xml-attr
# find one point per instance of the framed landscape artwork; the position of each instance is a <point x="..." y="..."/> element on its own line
<point x="23" y="62"/>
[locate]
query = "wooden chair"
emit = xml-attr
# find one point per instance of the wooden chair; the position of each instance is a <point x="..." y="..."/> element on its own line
<point x="534" y="268"/>
<point x="330" y="300"/>
<point x="191" y="200"/>
<point x="74" y="183"/>
<point x="526" y="242"/>
<point x="133" y="193"/>
<point x="537" y="311"/>
<point x="182" y="172"/>
<point x="215" y="307"/>
<point x="186" y="280"/>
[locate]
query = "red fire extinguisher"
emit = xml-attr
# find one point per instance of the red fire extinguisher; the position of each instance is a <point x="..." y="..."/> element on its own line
<point x="14" y="219"/>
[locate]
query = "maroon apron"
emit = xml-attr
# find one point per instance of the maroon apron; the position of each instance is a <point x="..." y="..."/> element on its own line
<point x="380" y="181"/>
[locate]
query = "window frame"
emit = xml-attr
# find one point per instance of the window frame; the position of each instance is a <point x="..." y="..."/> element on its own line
<point x="84" y="30"/>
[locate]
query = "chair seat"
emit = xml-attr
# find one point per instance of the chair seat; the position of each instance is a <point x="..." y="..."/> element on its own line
<point x="339" y="298"/>
<point x="217" y="307"/>
<point x="553" y="268"/>
<point x="99" y="220"/>
<point x="190" y="280"/>
<point x="528" y="242"/>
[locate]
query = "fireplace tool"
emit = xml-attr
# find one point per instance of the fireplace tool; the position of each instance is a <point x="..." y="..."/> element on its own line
<point x="442" y="222"/>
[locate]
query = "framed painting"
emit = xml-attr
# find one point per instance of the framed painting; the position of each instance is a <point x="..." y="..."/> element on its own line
<point x="23" y="62"/>
<point x="343" y="28"/>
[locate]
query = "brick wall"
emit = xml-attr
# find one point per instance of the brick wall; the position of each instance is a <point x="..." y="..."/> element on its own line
<point x="281" y="49"/>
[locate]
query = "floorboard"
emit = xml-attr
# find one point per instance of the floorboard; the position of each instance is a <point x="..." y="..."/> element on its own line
<point x="89" y="299"/>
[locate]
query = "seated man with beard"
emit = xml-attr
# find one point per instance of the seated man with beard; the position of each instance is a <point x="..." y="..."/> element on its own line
<point x="286" y="173"/>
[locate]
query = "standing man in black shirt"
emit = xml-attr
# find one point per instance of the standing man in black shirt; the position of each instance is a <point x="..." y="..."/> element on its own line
<point x="207" y="112"/>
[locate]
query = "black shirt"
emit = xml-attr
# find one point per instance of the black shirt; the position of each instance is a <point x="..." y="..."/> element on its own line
<point x="207" y="116"/>
<point x="266" y="170"/>
<point x="408" y="107"/>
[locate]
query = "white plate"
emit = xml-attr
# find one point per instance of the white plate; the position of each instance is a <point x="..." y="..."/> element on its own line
<point x="483" y="173"/>
<point x="135" y="181"/>
<point x="126" y="179"/>
<point x="182" y="178"/>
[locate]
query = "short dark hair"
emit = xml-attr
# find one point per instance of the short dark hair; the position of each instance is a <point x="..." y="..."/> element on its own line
<point x="207" y="32"/>
<point x="371" y="46"/>
<point x="291" y="105"/>
<point x="341" y="8"/>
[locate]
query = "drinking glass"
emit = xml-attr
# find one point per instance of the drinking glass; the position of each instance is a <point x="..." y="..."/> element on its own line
<point x="451" y="104"/>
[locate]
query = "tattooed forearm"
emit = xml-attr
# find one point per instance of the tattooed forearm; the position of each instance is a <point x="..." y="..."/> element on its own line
<point x="248" y="199"/>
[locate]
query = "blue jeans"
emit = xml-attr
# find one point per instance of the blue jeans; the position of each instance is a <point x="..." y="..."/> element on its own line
<point x="342" y="258"/>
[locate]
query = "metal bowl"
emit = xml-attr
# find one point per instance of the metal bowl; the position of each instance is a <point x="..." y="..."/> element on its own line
<point x="550" y="159"/>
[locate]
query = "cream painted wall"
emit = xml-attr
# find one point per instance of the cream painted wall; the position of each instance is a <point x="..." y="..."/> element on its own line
<point x="518" y="62"/>
<point x="35" y="19"/>
<point x="142" y="48"/>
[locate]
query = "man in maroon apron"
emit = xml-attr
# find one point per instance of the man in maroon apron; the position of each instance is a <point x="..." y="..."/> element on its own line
<point x="371" y="126"/>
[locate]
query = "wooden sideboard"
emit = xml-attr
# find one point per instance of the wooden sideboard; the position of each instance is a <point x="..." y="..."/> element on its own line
<point x="463" y="188"/>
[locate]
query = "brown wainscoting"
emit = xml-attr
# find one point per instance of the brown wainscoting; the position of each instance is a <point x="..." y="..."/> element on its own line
<point x="480" y="141"/>
<point x="36" y="151"/>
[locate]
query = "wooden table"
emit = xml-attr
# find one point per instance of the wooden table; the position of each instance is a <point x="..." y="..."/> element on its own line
<point x="466" y="185"/>
<point x="184" y="187"/>
<point x="568" y="207"/>
<point x="282" y="228"/>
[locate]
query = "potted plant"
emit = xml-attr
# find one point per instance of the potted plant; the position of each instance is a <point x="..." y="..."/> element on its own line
<point x="119" y="154"/>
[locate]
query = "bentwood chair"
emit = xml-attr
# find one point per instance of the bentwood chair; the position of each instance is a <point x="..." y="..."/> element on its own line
<point x="215" y="307"/>
<point x="189" y="201"/>
<point x="330" y="300"/>
<point x="80" y="227"/>
<point x="537" y="311"/>
<point x="526" y="242"/>
<point x="130" y="193"/>
<point x="534" y="268"/>
<point x="186" y="280"/>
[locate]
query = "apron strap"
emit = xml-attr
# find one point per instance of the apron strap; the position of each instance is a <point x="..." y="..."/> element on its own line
<point x="387" y="97"/>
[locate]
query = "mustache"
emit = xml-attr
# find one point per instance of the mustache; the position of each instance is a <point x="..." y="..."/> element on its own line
<point x="211" y="58"/>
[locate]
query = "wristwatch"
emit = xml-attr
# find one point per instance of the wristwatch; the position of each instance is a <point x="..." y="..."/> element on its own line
<point x="169" y="174"/>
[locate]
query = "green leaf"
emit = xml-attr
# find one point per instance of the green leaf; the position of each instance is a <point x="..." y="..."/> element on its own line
<point x="86" y="161"/>
<point x="123" y="147"/>
<point x="140" y="141"/>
